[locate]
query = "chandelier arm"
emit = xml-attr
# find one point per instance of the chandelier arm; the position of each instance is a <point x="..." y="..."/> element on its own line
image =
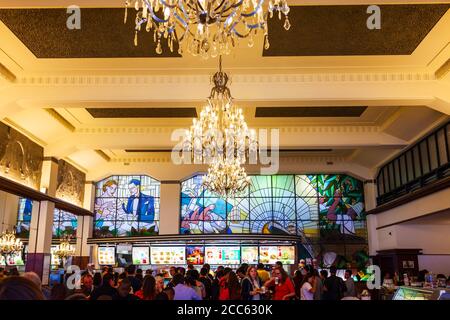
<point x="255" y="11"/>
<point x="200" y="5"/>
<point x="155" y="17"/>
<point x="172" y="6"/>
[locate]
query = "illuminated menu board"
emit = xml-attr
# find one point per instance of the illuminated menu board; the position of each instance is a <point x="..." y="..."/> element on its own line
<point x="223" y="255"/>
<point x="272" y="254"/>
<point x="54" y="261"/>
<point x="249" y="255"/>
<point x="141" y="255"/>
<point x="195" y="255"/>
<point x="168" y="255"/>
<point x="106" y="256"/>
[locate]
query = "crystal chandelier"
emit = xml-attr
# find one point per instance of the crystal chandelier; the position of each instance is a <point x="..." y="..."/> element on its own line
<point x="9" y="244"/>
<point x="64" y="249"/>
<point x="206" y="27"/>
<point x="222" y="139"/>
<point x="226" y="178"/>
<point x="220" y="133"/>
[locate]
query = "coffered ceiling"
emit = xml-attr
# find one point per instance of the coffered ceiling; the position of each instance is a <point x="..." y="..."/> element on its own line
<point x="344" y="98"/>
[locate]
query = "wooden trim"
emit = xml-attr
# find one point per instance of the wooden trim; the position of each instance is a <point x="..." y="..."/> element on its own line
<point x="196" y="238"/>
<point x="27" y="192"/>
<point x="417" y="194"/>
<point x="412" y="219"/>
<point x="399" y="251"/>
<point x="170" y="182"/>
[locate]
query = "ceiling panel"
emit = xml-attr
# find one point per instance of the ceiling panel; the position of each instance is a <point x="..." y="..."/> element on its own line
<point x="102" y="34"/>
<point x="342" y="30"/>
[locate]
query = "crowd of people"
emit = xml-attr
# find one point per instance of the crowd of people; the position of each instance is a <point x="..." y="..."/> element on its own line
<point x="246" y="283"/>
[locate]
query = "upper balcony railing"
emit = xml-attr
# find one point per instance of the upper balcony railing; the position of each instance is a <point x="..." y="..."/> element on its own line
<point x="426" y="161"/>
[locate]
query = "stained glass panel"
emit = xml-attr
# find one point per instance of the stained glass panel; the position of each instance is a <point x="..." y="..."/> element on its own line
<point x="127" y="206"/>
<point x="321" y="209"/>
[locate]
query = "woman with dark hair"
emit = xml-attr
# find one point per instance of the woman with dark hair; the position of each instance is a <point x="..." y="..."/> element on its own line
<point x="251" y="285"/>
<point x="298" y="282"/>
<point x="97" y="280"/>
<point x="230" y="288"/>
<point x="19" y="288"/>
<point x="148" y="291"/>
<point x="215" y="285"/>
<point x="308" y="288"/>
<point x="283" y="287"/>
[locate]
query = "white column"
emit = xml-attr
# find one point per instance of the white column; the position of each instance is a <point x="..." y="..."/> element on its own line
<point x="41" y="229"/>
<point x="170" y="208"/>
<point x="85" y="227"/>
<point x="370" y="199"/>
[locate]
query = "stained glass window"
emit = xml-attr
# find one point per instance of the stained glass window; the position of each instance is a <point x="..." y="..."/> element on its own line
<point x="319" y="208"/>
<point x="64" y="223"/>
<point x="24" y="218"/>
<point x="127" y="206"/>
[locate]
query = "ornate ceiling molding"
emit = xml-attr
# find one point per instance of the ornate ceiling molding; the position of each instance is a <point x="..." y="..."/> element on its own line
<point x="73" y="80"/>
<point x="284" y="129"/>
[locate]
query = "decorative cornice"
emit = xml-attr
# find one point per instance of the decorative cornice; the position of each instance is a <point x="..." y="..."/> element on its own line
<point x="103" y="155"/>
<point x="237" y="78"/>
<point x="285" y="129"/>
<point x="60" y="119"/>
<point x="6" y="74"/>
<point x="285" y="159"/>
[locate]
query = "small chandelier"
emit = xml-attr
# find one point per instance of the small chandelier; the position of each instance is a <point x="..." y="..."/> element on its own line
<point x="9" y="244"/>
<point x="207" y="27"/>
<point x="64" y="249"/>
<point x="226" y="178"/>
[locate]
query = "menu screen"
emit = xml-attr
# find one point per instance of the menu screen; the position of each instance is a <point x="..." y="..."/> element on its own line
<point x="168" y="255"/>
<point x="12" y="260"/>
<point x="106" y="256"/>
<point x="249" y="255"/>
<point x="54" y="261"/>
<point x="272" y="254"/>
<point x="223" y="255"/>
<point x="141" y="255"/>
<point x="195" y="254"/>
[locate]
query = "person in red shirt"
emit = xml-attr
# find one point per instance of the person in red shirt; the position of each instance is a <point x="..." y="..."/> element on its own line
<point x="283" y="287"/>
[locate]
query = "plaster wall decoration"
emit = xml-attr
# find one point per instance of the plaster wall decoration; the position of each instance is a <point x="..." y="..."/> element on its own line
<point x="71" y="182"/>
<point x="20" y="158"/>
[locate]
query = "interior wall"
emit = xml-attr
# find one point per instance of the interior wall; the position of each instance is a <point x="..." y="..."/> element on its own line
<point x="434" y="202"/>
<point x="385" y="233"/>
<point x="9" y="205"/>
<point x="435" y="263"/>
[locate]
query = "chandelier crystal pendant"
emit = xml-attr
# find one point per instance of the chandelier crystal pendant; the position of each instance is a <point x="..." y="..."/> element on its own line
<point x="206" y="27"/>
<point x="64" y="249"/>
<point x="221" y="138"/>
<point x="9" y="244"/>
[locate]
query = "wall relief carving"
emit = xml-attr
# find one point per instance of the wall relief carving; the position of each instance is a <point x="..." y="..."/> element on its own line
<point x="20" y="158"/>
<point x="71" y="182"/>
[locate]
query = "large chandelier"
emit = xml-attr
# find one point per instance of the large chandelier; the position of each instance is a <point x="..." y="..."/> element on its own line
<point x="207" y="27"/>
<point x="221" y="138"/>
<point x="64" y="249"/>
<point x="9" y="244"/>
